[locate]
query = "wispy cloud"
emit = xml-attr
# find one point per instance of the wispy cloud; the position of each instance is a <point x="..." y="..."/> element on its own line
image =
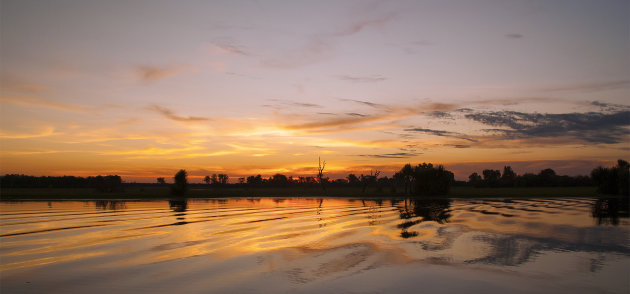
<point x="382" y="117"/>
<point x="441" y="133"/>
<point x="170" y="114"/>
<point x="514" y="101"/>
<point x="281" y="104"/>
<point x="441" y="114"/>
<point x="334" y="122"/>
<point x="315" y="49"/>
<point x="45" y="132"/>
<point x="43" y="102"/>
<point x="589" y="86"/>
<point x="228" y="47"/>
<point x="359" y="25"/>
<point x="363" y="79"/>
<point x="301" y="104"/>
<point x="236" y="74"/>
<point x="320" y="46"/>
<point x="391" y="155"/>
<point x="11" y="83"/>
<point x="150" y="73"/>
<point x="367" y="103"/>
<point x="592" y="127"/>
<point x="610" y="106"/>
<point x="514" y="36"/>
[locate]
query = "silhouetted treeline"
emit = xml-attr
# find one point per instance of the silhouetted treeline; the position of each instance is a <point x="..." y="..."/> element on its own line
<point x="423" y="179"/>
<point x="101" y="183"/>
<point x="613" y="180"/>
<point x="509" y="178"/>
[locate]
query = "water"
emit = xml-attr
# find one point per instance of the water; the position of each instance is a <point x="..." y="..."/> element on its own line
<point x="329" y="245"/>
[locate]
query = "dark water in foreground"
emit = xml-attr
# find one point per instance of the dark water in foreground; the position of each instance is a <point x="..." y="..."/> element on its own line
<point x="329" y="245"/>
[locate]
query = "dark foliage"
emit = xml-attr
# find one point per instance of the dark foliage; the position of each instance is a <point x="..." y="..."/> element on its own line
<point x="609" y="210"/>
<point x="491" y="177"/>
<point x="367" y="180"/>
<point x="405" y="176"/>
<point x="614" y="180"/>
<point x="101" y="183"/>
<point x="509" y="178"/>
<point x="255" y="180"/>
<point x="475" y="180"/>
<point x="429" y="180"/>
<point x="180" y="186"/>
<point x="353" y="180"/>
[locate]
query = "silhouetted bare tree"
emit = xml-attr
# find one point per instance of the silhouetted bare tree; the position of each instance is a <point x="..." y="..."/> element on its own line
<point x="320" y="173"/>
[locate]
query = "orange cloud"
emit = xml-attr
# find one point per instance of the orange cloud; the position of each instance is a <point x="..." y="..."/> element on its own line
<point x="47" y="131"/>
<point x="168" y="113"/>
<point x="149" y="73"/>
<point x="16" y="84"/>
<point x="42" y="102"/>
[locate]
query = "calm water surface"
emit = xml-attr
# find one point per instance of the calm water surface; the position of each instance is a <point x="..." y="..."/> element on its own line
<point x="329" y="245"/>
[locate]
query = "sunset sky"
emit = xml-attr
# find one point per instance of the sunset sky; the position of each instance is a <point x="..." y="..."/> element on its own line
<point x="144" y="88"/>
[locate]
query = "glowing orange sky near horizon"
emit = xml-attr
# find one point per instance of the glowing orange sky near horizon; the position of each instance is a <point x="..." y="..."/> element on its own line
<point x="144" y="89"/>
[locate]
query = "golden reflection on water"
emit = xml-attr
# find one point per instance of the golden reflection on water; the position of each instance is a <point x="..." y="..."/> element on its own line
<point x="310" y="245"/>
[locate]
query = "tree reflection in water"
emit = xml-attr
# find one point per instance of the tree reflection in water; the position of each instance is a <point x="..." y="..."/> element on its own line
<point x="110" y="204"/>
<point x="609" y="210"/>
<point x="179" y="206"/>
<point x="436" y="209"/>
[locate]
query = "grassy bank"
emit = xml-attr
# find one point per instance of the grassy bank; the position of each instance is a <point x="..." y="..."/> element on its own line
<point x="157" y="192"/>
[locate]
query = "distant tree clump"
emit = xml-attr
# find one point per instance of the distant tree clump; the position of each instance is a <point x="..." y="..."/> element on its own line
<point x="367" y="180"/>
<point x="545" y="178"/>
<point x="508" y="177"/>
<point x="614" y="180"/>
<point x="279" y="180"/>
<point x="255" y="180"/>
<point x="181" y="183"/>
<point x="405" y="175"/>
<point x="161" y="181"/>
<point x="491" y="177"/>
<point x="223" y="179"/>
<point x="353" y="180"/>
<point x="429" y="180"/>
<point x="108" y="184"/>
<point x="475" y="180"/>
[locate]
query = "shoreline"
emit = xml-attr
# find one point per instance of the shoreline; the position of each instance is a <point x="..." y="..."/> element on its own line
<point x="162" y="193"/>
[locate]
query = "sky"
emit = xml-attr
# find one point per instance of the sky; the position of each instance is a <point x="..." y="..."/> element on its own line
<point x="145" y="88"/>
